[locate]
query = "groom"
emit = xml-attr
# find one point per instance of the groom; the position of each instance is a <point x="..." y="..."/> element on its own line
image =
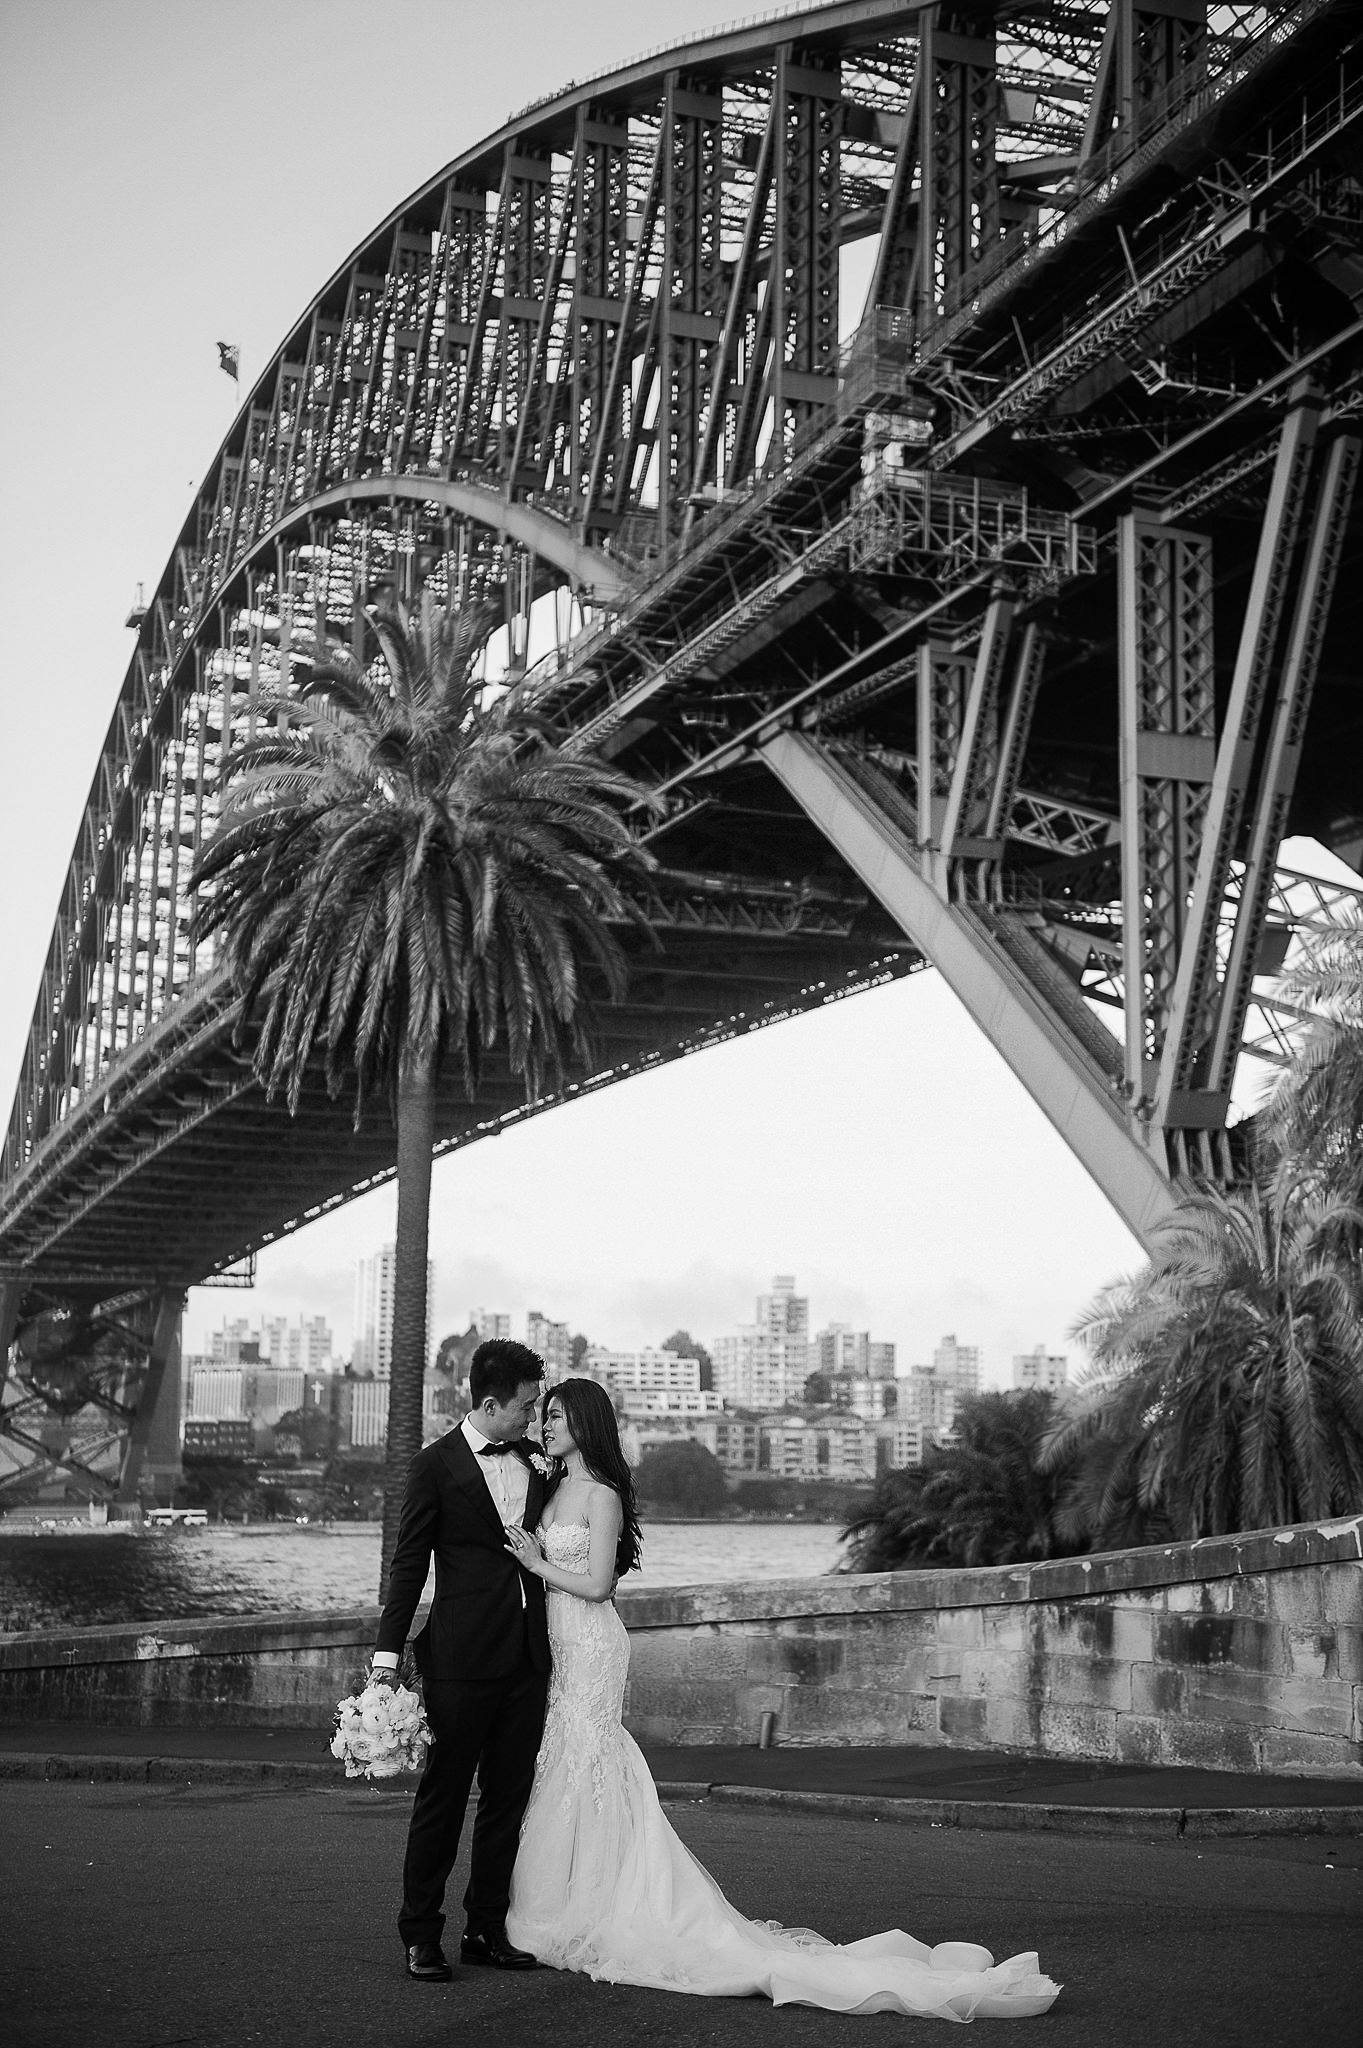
<point x="483" y="1657"/>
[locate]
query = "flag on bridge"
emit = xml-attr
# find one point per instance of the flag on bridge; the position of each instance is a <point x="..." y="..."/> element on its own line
<point x="229" y="359"/>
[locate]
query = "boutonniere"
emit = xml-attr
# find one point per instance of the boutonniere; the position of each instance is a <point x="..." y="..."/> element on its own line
<point x="544" y="1466"/>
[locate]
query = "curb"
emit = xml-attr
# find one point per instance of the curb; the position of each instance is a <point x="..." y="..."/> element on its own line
<point x="164" y="1770"/>
<point x="1185" y="1823"/>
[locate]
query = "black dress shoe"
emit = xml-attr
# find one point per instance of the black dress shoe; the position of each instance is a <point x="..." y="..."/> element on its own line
<point x="493" y="1951"/>
<point x="426" y="1961"/>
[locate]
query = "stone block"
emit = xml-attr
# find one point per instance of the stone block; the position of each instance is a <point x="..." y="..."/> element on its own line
<point x="1321" y="1706"/>
<point x="944" y="1667"/>
<point x="986" y="1671"/>
<point x="1295" y="1597"/>
<point x="718" y="1654"/>
<point x="1133" y="1634"/>
<point x="1310" y="1651"/>
<point x="1157" y="1689"/>
<point x="1210" y="1596"/>
<point x="1139" y="1739"/>
<point x="1006" y="1631"/>
<point x="1206" y="1640"/>
<point x="814" y="1717"/>
<point x="1287" y="1750"/>
<point x="1012" y="1723"/>
<point x="1087" y="1682"/>
<point x="961" y="1626"/>
<point x="1078" y="1731"/>
<point x="1349" y="1654"/>
<point x="1209" y="1745"/>
<point x="1249" y="1595"/>
<point x="963" y="1721"/>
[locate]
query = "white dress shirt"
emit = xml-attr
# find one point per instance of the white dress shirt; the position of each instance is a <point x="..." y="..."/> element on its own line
<point x="507" y="1478"/>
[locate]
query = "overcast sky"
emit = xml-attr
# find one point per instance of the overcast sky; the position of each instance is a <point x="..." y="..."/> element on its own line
<point x="174" y="173"/>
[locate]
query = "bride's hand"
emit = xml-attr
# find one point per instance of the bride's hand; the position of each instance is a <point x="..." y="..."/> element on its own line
<point x="525" y="1548"/>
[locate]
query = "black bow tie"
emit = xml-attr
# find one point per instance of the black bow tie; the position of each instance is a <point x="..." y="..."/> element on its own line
<point x="497" y="1450"/>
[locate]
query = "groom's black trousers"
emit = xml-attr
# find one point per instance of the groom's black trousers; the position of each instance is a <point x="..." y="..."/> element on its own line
<point x="492" y="1726"/>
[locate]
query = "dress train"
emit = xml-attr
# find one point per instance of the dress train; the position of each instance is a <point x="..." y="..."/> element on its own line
<point x="604" y="1885"/>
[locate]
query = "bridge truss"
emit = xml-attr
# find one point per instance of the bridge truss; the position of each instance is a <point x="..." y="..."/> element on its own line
<point x="919" y="441"/>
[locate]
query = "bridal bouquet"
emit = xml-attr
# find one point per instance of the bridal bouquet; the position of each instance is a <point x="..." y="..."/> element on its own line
<point x="381" y="1731"/>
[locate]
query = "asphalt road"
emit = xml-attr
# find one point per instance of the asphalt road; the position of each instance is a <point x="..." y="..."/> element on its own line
<point x="208" y="1918"/>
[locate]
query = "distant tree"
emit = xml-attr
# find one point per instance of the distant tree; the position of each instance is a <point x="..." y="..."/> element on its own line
<point x="1226" y="1390"/>
<point x="455" y="1352"/>
<point x="818" y="1390"/>
<point x="580" y="1347"/>
<point x="314" y="1427"/>
<point x="982" y="1499"/>
<point x="683" y="1345"/>
<point x="683" y="1476"/>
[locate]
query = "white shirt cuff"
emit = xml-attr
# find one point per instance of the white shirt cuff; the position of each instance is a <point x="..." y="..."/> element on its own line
<point x="384" y="1660"/>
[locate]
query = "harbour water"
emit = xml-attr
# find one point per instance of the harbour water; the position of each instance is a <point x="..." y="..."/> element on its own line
<point x="85" y="1580"/>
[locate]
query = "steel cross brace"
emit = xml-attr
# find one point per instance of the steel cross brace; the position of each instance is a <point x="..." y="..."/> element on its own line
<point x="1054" y="1065"/>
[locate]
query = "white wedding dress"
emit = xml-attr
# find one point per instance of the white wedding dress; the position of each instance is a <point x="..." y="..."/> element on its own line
<point x="603" y="1884"/>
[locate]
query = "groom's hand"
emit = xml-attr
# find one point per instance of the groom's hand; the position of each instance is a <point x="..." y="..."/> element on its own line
<point x="383" y="1674"/>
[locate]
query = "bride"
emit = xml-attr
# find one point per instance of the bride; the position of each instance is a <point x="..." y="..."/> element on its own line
<point x="602" y="1883"/>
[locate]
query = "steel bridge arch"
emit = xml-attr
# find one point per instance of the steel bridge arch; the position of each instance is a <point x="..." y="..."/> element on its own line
<point x="602" y="347"/>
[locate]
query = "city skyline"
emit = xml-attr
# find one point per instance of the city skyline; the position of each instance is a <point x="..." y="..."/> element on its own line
<point x="824" y="1342"/>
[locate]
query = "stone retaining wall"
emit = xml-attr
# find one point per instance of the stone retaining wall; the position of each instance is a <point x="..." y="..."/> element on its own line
<point x="1241" y="1653"/>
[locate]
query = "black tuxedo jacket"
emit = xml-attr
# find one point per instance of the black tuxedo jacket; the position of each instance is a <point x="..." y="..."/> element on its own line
<point x="479" y="1626"/>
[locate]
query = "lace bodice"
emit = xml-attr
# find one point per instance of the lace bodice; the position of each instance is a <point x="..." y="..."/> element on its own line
<point x="568" y="1545"/>
<point x="590" y="1652"/>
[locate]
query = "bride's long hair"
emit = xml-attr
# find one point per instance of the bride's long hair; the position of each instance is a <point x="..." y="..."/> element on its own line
<point x="590" y="1416"/>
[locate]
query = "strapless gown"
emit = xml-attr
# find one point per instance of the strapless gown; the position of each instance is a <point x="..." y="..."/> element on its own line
<point x="604" y="1885"/>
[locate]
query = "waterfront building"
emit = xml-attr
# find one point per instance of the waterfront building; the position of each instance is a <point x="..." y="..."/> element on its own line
<point x="736" y="1441"/>
<point x="490" y="1323"/>
<point x="900" y="1443"/>
<point x="552" y="1341"/>
<point x="303" y="1342"/>
<point x="646" y="1371"/>
<point x="218" y="1437"/>
<point x="652" y="1401"/>
<point x="841" y="1350"/>
<point x="960" y="1364"/>
<point x="362" y="1411"/>
<point x="372" y="1346"/>
<point x="238" y="1340"/>
<point x="871" y="1399"/>
<point x="764" y="1364"/>
<point x="817" y="1447"/>
<point x="783" y="1312"/>
<point x="244" y="1393"/>
<point x="1042" y="1369"/>
<point x="924" y="1397"/>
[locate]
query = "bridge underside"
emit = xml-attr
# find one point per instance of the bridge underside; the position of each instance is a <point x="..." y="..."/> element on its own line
<point x="1009" y="633"/>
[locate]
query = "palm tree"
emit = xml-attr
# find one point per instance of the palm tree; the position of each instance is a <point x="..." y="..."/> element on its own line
<point x="1315" y="1118"/>
<point x="408" y="875"/>
<point x="1227" y="1390"/>
<point x="981" y="1499"/>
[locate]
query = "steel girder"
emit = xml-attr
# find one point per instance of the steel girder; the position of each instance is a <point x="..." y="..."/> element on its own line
<point x="1117" y="297"/>
<point x="1057" y="1068"/>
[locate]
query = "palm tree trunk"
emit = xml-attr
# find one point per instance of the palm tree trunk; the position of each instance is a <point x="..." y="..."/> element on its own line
<point x="416" y="1138"/>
